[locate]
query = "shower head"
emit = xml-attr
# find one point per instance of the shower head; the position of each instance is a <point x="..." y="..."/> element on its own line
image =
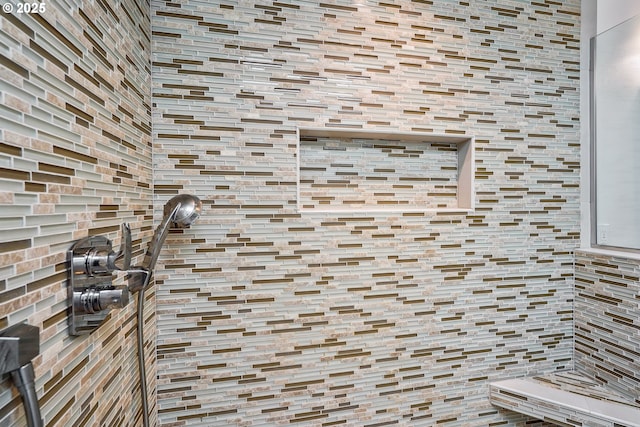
<point x="180" y="211"/>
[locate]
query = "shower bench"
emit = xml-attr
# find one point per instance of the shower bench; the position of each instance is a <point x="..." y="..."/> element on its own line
<point x="566" y="398"/>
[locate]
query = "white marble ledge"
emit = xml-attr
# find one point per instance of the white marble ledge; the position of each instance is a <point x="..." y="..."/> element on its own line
<point x="546" y="401"/>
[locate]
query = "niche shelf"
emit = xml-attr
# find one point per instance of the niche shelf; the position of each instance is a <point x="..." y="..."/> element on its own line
<point x="343" y="170"/>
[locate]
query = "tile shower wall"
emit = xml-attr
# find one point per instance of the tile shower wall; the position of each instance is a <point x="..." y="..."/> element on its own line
<point x="75" y="160"/>
<point x="271" y="316"/>
<point x="607" y="328"/>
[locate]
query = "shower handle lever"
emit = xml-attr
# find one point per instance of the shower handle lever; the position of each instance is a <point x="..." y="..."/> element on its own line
<point x="122" y="259"/>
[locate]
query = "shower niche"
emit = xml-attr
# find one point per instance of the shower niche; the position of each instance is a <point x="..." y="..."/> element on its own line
<point x="370" y="170"/>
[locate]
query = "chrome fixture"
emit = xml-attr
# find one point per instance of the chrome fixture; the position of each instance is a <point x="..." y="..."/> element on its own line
<point x="91" y="292"/>
<point x="180" y="211"/>
<point x="19" y="344"/>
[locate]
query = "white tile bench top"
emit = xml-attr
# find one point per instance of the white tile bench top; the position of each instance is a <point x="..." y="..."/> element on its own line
<point x="566" y="398"/>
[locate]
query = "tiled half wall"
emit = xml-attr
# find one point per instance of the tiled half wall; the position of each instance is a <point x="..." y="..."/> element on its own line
<point x="272" y="316"/>
<point x="75" y="160"/>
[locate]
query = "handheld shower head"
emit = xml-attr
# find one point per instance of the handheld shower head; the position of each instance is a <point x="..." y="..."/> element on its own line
<point x="180" y="211"/>
<point x="183" y="210"/>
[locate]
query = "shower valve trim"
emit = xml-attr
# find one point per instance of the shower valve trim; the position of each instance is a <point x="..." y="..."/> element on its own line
<point x="92" y="294"/>
<point x="92" y="262"/>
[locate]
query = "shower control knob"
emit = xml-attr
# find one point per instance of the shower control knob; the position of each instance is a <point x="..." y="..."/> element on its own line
<point x="101" y="260"/>
<point x="95" y="262"/>
<point x="95" y="300"/>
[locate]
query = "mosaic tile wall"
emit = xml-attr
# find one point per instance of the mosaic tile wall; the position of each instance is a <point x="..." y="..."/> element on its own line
<point x="271" y="316"/>
<point x="607" y="321"/>
<point x="75" y="160"/>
